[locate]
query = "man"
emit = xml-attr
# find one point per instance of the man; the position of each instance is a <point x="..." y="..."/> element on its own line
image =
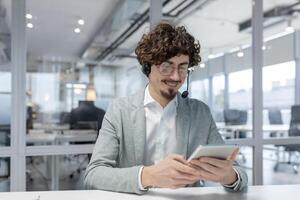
<point x="86" y="116"/>
<point x="146" y="138"/>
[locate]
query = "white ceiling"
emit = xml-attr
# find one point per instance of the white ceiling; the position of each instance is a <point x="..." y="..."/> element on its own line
<point x="215" y="25"/>
<point x="55" y="20"/>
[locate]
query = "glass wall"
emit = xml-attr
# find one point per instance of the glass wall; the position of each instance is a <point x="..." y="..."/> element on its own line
<point x="5" y="95"/>
<point x="5" y="73"/>
<point x="240" y="91"/>
<point x="281" y="121"/>
<point x="59" y="172"/>
<point x="200" y="90"/>
<point x="64" y="77"/>
<point x="218" y="89"/>
<point x="4" y="174"/>
<point x="80" y="57"/>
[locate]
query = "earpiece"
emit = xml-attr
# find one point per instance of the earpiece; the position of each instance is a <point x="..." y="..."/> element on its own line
<point x="185" y="93"/>
<point x="146" y="69"/>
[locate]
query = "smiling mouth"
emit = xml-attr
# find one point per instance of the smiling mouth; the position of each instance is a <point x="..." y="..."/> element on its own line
<point x="171" y="83"/>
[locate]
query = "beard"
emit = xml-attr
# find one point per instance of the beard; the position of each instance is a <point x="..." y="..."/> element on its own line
<point x="169" y="95"/>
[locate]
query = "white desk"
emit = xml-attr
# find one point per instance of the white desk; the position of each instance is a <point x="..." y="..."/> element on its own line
<point x="41" y="137"/>
<point x="233" y="130"/>
<point x="276" y="192"/>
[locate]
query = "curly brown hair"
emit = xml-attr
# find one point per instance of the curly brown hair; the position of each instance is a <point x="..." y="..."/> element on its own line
<point x="166" y="41"/>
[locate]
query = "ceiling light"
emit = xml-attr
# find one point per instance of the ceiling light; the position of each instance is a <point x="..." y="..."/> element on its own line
<point x="29" y="25"/>
<point x="240" y="54"/>
<point x="210" y="56"/>
<point x="28" y="16"/>
<point x="77" y="30"/>
<point x="264" y="47"/>
<point x="80" y="22"/>
<point x="202" y="65"/>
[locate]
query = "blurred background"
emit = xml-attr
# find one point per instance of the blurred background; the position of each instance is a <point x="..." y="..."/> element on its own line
<point x="80" y="56"/>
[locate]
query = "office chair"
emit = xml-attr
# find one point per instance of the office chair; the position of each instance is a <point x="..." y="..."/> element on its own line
<point x="85" y="116"/>
<point x="237" y="117"/>
<point x="292" y="149"/>
<point x="274" y="116"/>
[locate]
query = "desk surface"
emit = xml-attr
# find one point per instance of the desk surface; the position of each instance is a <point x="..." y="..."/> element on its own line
<point x="39" y="136"/>
<point x="275" y="192"/>
<point x="247" y="127"/>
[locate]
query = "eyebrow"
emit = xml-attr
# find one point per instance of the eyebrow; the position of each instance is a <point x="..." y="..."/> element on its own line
<point x="180" y="64"/>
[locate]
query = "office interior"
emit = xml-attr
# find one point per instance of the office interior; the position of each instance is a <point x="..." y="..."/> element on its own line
<point x="58" y="54"/>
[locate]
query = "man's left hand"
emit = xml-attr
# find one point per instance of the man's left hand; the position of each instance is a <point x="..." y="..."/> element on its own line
<point x="216" y="170"/>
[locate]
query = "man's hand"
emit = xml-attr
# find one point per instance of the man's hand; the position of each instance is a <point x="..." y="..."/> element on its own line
<point x="172" y="172"/>
<point x="217" y="170"/>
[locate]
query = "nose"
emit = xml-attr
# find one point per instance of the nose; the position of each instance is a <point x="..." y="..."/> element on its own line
<point x="175" y="76"/>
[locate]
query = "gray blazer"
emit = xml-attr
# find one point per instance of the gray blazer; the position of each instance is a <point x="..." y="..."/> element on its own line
<point x="119" y="150"/>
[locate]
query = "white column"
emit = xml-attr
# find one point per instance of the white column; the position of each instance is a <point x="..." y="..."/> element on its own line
<point x="18" y="119"/>
<point x="155" y="12"/>
<point x="257" y="93"/>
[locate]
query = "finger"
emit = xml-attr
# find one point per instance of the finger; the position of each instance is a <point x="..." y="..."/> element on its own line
<point x="210" y="168"/>
<point x="216" y="162"/>
<point x="195" y="166"/>
<point x="183" y="175"/>
<point x="234" y="154"/>
<point x="184" y="168"/>
<point x="179" y="158"/>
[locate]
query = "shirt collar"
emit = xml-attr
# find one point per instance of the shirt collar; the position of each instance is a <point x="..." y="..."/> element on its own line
<point x="149" y="100"/>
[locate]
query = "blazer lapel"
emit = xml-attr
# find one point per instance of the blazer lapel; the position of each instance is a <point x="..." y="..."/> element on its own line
<point x="182" y="127"/>
<point x="139" y="127"/>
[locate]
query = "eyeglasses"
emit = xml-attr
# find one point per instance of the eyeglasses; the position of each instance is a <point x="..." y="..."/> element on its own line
<point x="167" y="68"/>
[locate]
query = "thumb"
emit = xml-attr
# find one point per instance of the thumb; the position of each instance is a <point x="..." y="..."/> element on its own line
<point x="233" y="155"/>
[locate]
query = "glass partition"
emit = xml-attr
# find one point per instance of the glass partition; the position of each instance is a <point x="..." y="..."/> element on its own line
<point x="5" y="73"/>
<point x="78" y="61"/>
<point x="4" y="174"/>
<point x="281" y="164"/>
<point x="200" y="90"/>
<point x="61" y="172"/>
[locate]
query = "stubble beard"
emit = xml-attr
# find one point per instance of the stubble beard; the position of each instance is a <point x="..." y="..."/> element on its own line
<point x="168" y="95"/>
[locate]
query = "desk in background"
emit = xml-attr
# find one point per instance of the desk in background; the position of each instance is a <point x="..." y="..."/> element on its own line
<point x="232" y="131"/>
<point x="274" y="192"/>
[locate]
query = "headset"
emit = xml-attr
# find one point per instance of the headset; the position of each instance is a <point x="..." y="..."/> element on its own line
<point x="146" y="69"/>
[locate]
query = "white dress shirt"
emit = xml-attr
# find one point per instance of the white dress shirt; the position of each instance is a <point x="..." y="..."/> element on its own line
<point x="160" y="129"/>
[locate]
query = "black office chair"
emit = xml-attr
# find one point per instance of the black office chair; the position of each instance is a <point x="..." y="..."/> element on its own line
<point x="236" y="117"/>
<point x="292" y="149"/>
<point x="275" y="118"/>
<point x="86" y="116"/>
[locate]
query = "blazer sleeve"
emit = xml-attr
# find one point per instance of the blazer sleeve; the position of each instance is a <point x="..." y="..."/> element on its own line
<point x="215" y="138"/>
<point x="102" y="171"/>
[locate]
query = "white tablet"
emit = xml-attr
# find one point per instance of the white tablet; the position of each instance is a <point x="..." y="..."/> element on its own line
<point x="220" y="151"/>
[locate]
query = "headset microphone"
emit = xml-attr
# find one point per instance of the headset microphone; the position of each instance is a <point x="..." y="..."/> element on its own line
<point x="186" y="93"/>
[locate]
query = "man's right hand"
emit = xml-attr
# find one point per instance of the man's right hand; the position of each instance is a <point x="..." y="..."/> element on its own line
<point x="172" y="172"/>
